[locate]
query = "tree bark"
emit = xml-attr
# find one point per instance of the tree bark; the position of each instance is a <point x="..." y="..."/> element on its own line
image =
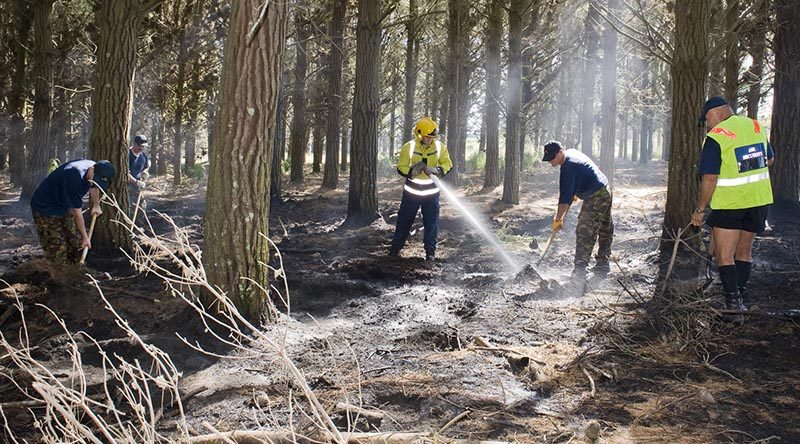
<point x="16" y="99"/>
<point x="330" y="175"/>
<point x="591" y="39"/>
<point x="279" y="145"/>
<point x="608" y="99"/>
<point x="362" y="204"/>
<point x="237" y="210"/>
<point x="40" y="151"/>
<point x="412" y="57"/>
<point x="756" y="44"/>
<point x="118" y="22"/>
<point x="511" y="180"/>
<point x="733" y="54"/>
<point x="494" y="36"/>
<point x="689" y="73"/>
<point x="785" y="135"/>
<point x="299" y="129"/>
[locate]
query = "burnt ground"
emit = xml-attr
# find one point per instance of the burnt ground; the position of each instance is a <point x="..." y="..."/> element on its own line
<point x="423" y="343"/>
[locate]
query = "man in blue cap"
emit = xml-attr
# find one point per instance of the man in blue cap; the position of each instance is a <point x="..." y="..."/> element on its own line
<point x="138" y="165"/>
<point x="56" y="207"/>
<point x="735" y="184"/>
<point x="581" y="178"/>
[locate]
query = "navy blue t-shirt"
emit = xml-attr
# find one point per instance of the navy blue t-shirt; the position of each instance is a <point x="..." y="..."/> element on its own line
<point x="62" y="189"/>
<point x="579" y="176"/>
<point x="137" y="164"/>
<point x="711" y="157"/>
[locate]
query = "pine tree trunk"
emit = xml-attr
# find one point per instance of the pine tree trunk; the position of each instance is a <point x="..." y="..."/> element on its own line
<point x="278" y="148"/>
<point x="237" y="209"/>
<point x="511" y="180"/>
<point x="299" y="128"/>
<point x="689" y="72"/>
<point x="591" y="39"/>
<point x="733" y="57"/>
<point x="40" y="151"/>
<point x="756" y="44"/>
<point x="362" y="204"/>
<point x="785" y="135"/>
<point x="345" y="148"/>
<point x="16" y="99"/>
<point x="318" y="144"/>
<point x="118" y="22"/>
<point x="330" y="179"/>
<point x="193" y="105"/>
<point x="609" y="96"/>
<point x="412" y="57"/>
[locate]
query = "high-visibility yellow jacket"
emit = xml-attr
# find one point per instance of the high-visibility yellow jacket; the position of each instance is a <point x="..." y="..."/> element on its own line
<point x="744" y="176"/>
<point x="434" y="155"/>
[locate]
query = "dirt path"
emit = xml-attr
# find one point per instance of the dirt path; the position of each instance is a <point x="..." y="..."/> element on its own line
<point x="528" y="362"/>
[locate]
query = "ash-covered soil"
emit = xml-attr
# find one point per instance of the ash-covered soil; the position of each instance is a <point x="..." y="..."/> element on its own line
<point x="422" y="343"/>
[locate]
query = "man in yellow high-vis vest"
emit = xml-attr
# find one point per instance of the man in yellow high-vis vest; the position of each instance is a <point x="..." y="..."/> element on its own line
<point x="734" y="165"/>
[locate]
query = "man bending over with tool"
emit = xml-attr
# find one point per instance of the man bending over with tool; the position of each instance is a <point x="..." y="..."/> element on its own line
<point x="56" y="207"/>
<point x="734" y="166"/>
<point x="581" y="178"/>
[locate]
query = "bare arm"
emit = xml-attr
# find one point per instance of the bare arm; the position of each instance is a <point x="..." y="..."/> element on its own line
<point x="562" y="211"/>
<point x="707" y="187"/>
<point x="78" y="217"/>
<point x="94" y="201"/>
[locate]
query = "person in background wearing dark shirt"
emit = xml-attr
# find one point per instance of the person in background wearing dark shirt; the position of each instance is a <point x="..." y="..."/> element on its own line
<point x="138" y="164"/>
<point x="56" y="207"/>
<point x="735" y="184"/>
<point x="581" y="178"/>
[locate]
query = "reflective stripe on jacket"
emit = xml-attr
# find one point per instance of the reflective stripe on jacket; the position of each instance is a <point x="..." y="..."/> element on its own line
<point x="434" y="155"/>
<point x="744" y="176"/>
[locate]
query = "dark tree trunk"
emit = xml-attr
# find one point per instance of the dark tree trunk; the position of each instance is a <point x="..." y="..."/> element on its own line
<point x="16" y="99"/>
<point x="511" y="180"/>
<point x="276" y="170"/>
<point x="299" y="128"/>
<point x="40" y="151"/>
<point x="756" y="42"/>
<point x="785" y="135"/>
<point x="634" y="142"/>
<point x="318" y="144"/>
<point x="362" y="203"/>
<point x="591" y="40"/>
<point x="193" y="105"/>
<point x="237" y="210"/>
<point x="457" y="37"/>
<point x="345" y="148"/>
<point x="330" y="179"/>
<point x="689" y="72"/>
<point x="180" y="86"/>
<point x="412" y="57"/>
<point x="608" y="100"/>
<point x="733" y="55"/>
<point x="118" y="22"/>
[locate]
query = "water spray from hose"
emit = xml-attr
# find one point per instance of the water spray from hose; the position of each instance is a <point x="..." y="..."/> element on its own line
<point x="471" y="216"/>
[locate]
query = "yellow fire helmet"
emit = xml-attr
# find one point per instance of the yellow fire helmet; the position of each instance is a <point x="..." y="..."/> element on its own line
<point x="425" y="127"/>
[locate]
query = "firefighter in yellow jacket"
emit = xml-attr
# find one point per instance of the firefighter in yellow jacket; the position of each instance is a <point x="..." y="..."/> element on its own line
<point x="420" y="159"/>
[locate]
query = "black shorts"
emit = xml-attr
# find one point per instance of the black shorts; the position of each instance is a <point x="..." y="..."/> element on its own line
<point x="751" y="220"/>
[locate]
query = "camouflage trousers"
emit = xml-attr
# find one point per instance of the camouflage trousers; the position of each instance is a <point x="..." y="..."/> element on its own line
<point x="59" y="237"/>
<point x="594" y="225"/>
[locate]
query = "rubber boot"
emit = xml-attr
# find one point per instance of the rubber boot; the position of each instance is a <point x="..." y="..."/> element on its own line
<point x="733" y="301"/>
<point x="394" y="252"/>
<point x="430" y="255"/>
<point x="745" y="297"/>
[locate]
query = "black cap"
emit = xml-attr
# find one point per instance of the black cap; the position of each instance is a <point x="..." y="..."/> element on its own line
<point x="551" y="148"/>
<point x="140" y="140"/>
<point x="711" y="104"/>
<point x="103" y="173"/>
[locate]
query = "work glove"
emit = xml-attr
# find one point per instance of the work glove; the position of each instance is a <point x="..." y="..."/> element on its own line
<point x="557" y="224"/>
<point x="431" y="171"/>
<point x="140" y="184"/>
<point x="145" y="175"/>
<point x="417" y="168"/>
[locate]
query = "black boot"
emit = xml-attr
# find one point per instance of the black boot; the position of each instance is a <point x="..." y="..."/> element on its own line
<point x="745" y="295"/>
<point x="733" y="301"/>
<point x="430" y="255"/>
<point x="394" y="252"/>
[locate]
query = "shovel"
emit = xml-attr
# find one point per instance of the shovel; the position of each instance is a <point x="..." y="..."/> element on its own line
<point x="86" y="249"/>
<point x="550" y="240"/>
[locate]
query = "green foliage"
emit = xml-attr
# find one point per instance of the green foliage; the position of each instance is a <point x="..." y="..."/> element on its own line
<point x="197" y="172"/>
<point x="387" y="165"/>
<point x="286" y="166"/>
<point x="476" y="162"/>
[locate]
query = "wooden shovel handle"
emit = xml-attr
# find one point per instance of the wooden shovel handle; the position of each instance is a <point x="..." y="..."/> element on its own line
<point x="91" y="230"/>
